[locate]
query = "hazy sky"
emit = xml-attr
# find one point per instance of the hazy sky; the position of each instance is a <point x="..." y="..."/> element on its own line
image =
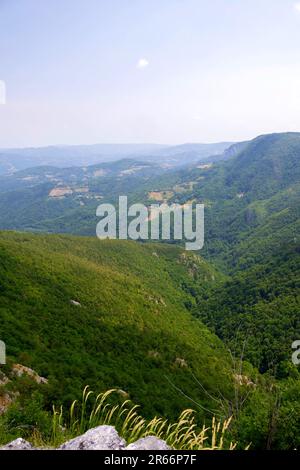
<point x="165" y="71"/>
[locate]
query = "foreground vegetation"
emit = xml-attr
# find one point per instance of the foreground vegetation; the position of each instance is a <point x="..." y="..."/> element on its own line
<point x="109" y="409"/>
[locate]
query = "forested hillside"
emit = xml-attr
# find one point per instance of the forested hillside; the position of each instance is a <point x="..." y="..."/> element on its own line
<point x="110" y="314"/>
<point x="252" y="231"/>
<point x="210" y="330"/>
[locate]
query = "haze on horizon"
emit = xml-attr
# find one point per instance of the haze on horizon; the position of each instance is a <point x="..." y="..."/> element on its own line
<point x="168" y="72"/>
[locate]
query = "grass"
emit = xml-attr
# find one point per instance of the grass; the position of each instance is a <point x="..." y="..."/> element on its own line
<point x="106" y="409"/>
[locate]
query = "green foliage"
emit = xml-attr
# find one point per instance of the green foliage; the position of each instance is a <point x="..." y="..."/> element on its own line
<point x="131" y="330"/>
<point x="259" y="307"/>
<point x="134" y="325"/>
<point x="26" y="418"/>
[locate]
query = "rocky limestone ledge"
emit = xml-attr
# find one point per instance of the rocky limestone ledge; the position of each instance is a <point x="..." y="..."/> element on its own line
<point x="99" y="438"/>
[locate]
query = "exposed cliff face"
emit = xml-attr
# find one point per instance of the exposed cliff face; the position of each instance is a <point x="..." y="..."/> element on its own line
<point x="234" y="150"/>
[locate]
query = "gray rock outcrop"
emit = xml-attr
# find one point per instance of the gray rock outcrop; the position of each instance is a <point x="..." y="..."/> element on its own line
<point x="18" y="444"/>
<point x="99" y="438"/>
<point x="148" y="443"/>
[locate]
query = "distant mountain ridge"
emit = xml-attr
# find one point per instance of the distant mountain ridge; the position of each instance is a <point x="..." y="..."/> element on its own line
<point x="13" y="160"/>
<point x="244" y="174"/>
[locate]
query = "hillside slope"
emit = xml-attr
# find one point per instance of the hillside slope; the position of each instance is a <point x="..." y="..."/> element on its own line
<point x="130" y="330"/>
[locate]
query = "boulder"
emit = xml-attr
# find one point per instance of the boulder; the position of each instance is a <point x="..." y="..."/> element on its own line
<point x="99" y="438"/>
<point x="18" y="444"/>
<point x="148" y="443"/>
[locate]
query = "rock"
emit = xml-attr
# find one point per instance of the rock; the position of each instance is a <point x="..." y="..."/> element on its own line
<point x="100" y="438"/>
<point x="3" y="379"/>
<point x="18" y="444"/>
<point x="148" y="443"/>
<point x="181" y="362"/>
<point x="154" y="354"/>
<point x="18" y="370"/>
<point x="5" y="401"/>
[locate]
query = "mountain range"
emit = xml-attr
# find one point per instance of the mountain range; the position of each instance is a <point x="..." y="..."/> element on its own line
<point x="13" y="160"/>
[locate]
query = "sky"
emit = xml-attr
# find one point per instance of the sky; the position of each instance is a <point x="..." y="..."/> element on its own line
<point x="160" y="71"/>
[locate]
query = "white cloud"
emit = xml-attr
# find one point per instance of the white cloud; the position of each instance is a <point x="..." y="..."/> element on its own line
<point x="297" y="6"/>
<point x="142" y="63"/>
